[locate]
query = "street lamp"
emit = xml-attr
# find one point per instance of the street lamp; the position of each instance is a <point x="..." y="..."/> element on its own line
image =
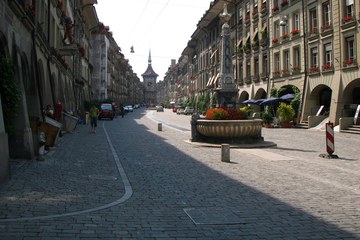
<point x="283" y="21"/>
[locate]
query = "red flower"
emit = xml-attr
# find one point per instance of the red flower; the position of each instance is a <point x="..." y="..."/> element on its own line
<point x="348" y="18"/>
<point x="314" y="69"/>
<point x="225" y="114"/>
<point x="275" y="40"/>
<point x="285" y="36"/>
<point x="348" y="62"/>
<point x="326" y="26"/>
<point x="295" y="31"/>
<point x="327" y="66"/>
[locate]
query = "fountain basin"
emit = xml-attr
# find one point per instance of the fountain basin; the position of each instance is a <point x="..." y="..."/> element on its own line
<point x="231" y="131"/>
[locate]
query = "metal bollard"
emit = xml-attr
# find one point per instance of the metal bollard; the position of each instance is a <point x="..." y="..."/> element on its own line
<point x="159" y="126"/>
<point x="225" y="152"/>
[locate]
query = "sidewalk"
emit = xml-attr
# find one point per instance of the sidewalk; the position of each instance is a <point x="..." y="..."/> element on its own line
<point x="57" y="184"/>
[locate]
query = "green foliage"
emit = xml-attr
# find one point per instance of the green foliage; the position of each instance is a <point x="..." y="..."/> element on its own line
<point x="286" y="112"/>
<point x="10" y="94"/>
<point x="267" y="116"/>
<point x="274" y="92"/>
<point x="295" y="103"/>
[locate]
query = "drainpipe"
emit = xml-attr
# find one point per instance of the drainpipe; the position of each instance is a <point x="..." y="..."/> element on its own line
<point x="48" y="61"/>
<point x="305" y="62"/>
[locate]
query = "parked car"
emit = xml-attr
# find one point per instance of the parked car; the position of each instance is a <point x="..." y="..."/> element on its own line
<point x="188" y="110"/>
<point x="180" y="110"/>
<point x="159" y="108"/>
<point x="106" y="111"/>
<point x="128" y="108"/>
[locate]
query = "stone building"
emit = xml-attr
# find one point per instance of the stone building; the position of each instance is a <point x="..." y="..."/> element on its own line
<point x="305" y="46"/>
<point x="53" y="61"/>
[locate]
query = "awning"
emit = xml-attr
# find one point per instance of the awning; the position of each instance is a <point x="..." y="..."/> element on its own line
<point x="213" y="54"/>
<point x="239" y="43"/>
<point x="210" y="81"/>
<point x="216" y="78"/>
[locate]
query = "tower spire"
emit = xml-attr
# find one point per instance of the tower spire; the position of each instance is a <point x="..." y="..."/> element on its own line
<point x="149" y="57"/>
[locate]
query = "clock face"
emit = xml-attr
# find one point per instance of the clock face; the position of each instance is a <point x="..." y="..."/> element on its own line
<point x="149" y="84"/>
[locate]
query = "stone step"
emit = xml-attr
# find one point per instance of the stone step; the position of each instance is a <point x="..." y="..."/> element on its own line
<point x="302" y="125"/>
<point x="351" y="131"/>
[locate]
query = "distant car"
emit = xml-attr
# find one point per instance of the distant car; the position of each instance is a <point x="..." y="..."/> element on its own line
<point x="128" y="108"/>
<point x="180" y="110"/>
<point x="188" y="110"/>
<point x="159" y="108"/>
<point x="106" y="111"/>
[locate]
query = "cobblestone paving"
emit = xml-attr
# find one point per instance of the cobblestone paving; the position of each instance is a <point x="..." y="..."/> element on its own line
<point x="184" y="191"/>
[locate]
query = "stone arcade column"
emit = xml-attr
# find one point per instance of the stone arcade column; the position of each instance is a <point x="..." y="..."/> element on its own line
<point x="227" y="90"/>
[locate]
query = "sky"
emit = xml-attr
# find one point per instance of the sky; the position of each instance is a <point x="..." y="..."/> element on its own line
<point x="163" y="27"/>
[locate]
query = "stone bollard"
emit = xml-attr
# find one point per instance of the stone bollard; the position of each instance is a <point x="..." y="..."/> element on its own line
<point x="160" y="127"/>
<point x="225" y="152"/>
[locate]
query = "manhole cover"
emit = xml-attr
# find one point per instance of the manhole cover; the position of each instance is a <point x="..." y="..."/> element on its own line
<point x="212" y="216"/>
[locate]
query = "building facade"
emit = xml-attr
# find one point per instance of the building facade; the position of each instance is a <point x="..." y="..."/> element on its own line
<point x="55" y="61"/>
<point x="305" y="46"/>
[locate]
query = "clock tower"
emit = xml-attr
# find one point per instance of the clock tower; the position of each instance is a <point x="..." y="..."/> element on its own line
<point x="149" y="79"/>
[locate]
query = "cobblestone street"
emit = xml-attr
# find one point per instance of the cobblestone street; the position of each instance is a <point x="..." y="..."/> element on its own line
<point x="131" y="181"/>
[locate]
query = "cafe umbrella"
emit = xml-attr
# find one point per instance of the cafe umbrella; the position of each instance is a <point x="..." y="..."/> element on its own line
<point x="288" y="96"/>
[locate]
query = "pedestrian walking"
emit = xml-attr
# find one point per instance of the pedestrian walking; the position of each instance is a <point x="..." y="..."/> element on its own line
<point x="94" y="114"/>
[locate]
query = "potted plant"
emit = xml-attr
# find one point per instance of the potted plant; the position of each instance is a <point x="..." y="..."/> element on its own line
<point x="286" y="114"/>
<point x="267" y="119"/>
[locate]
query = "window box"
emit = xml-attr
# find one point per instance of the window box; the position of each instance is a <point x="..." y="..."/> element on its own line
<point x="327" y="68"/>
<point x="275" y="9"/>
<point x="349" y="63"/>
<point x="348" y="19"/>
<point x="314" y="70"/>
<point x="275" y="40"/>
<point x="276" y="74"/>
<point x="285" y="72"/>
<point x="296" y="69"/>
<point x="326" y="27"/>
<point x="284" y="3"/>
<point x="295" y="32"/>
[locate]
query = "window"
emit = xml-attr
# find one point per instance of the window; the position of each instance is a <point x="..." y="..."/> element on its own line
<point x="277" y="62"/>
<point x="350" y="48"/>
<point x="296" y="22"/>
<point x="264" y="64"/>
<point x="247" y="8"/>
<point x="255" y="3"/>
<point x="328" y="54"/>
<point x="240" y="14"/>
<point x="276" y="29"/>
<point x="313" y="21"/>
<point x="326" y="13"/>
<point x="349" y="8"/>
<point x="314" y="57"/>
<point x="296" y="59"/>
<point x="286" y="63"/>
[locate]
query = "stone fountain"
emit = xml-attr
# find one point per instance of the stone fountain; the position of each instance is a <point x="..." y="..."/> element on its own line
<point x="226" y="131"/>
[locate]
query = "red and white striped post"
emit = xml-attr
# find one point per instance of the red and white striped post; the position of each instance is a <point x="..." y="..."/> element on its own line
<point x="330" y="145"/>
